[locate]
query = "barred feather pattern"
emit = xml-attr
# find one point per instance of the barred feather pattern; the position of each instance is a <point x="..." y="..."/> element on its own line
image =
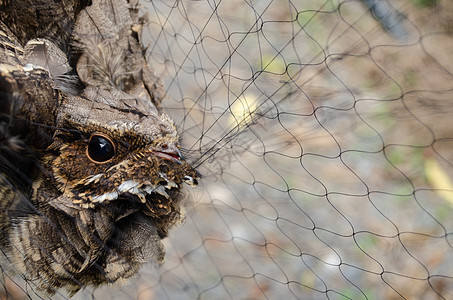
<point x="91" y="176"/>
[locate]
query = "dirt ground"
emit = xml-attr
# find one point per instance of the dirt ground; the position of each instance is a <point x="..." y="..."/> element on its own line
<point x="325" y="145"/>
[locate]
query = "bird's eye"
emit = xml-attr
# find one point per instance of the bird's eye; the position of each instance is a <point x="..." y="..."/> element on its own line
<point x="100" y="148"/>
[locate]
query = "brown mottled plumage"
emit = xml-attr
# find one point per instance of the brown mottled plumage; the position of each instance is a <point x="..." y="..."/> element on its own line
<point x="31" y="19"/>
<point x="90" y="170"/>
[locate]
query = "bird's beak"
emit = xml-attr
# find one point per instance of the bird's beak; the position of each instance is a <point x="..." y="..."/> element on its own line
<point x="171" y="152"/>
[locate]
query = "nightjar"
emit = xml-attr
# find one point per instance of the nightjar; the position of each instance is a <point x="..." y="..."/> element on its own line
<point x="91" y="174"/>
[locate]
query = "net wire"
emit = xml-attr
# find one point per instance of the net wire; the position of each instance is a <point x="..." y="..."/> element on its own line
<point x="323" y="136"/>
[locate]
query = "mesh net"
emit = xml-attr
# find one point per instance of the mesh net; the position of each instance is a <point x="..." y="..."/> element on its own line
<point x="322" y="131"/>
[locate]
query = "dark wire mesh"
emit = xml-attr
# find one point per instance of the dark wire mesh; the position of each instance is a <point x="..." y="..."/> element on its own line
<point x="323" y="133"/>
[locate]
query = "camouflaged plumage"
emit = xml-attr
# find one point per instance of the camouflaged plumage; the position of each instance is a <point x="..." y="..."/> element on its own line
<point x="90" y="170"/>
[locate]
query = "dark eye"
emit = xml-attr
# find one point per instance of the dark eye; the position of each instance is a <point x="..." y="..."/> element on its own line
<point x="100" y="148"/>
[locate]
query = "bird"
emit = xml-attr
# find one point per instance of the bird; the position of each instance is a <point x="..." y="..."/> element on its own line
<point x="91" y="172"/>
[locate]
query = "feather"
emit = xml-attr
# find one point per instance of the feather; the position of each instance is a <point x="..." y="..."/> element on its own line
<point x="90" y="171"/>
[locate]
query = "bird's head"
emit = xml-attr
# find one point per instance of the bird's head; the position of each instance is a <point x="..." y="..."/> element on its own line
<point x="104" y="153"/>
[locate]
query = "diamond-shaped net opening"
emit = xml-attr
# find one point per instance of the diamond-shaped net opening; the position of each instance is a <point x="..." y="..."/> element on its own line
<point x="322" y="132"/>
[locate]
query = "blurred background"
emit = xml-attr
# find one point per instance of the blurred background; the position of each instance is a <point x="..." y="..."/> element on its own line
<point x="324" y="136"/>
